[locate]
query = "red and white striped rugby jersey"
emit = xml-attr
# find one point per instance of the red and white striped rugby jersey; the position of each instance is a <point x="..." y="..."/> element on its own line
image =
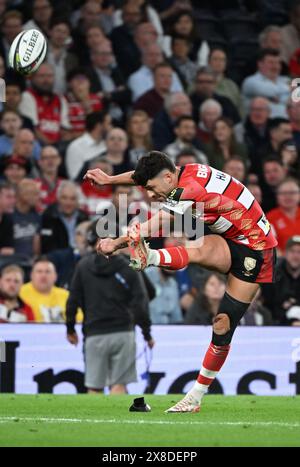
<point x="229" y="208"/>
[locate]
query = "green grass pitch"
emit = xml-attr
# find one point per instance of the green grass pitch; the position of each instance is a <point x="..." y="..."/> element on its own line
<point x="84" y="420"/>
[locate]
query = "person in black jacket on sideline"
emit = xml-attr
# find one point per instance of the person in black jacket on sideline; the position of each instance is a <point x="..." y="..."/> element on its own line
<point x="113" y="299"/>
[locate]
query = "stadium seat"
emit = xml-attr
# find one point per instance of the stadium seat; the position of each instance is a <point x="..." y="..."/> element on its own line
<point x="239" y="26"/>
<point x="208" y="24"/>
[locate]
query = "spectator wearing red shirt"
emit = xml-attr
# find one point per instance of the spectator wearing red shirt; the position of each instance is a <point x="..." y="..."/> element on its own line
<point x="96" y="198"/>
<point x="285" y="219"/>
<point x="47" y="110"/>
<point x="81" y="101"/>
<point x="12" y="308"/>
<point x="48" y="181"/>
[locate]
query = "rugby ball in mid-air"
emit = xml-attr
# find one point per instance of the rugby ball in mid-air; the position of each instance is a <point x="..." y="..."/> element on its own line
<point x="27" y="52"/>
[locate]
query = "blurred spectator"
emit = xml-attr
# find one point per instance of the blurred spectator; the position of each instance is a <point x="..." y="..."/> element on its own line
<point x="81" y="238"/>
<point x="25" y="145"/>
<point x="152" y="101"/>
<point x="107" y="79"/>
<point x="81" y="101"/>
<point x="273" y="174"/>
<point x="293" y="111"/>
<point x="283" y="297"/>
<point x="186" y="156"/>
<point x="48" y="180"/>
<point x="47" y="110"/>
<point x="96" y="198"/>
<point x="113" y="298"/>
<point x="255" y="130"/>
<point x="145" y="32"/>
<point x="184" y="24"/>
<point x="94" y="37"/>
<point x="224" y="144"/>
<point x="285" y="219"/>
<point x="6" y="226"/>
<point x="59" y="220"/>
<point x="176" y="105"/>
<point x="271" y="38"/>
<point x="41" y="14"/>
<point x="255" y="189"/>
<point x="58" y="55"/>
<point x="87" y="146"/>
<point x="165" y="307"/>
<point x="290" y="33"/>
<point x="126" y="50"/>
<point x="89" y="16"/>
<point x="289" y="156"/>
<point x="217" y="61"/>
<point x="142" y="80"/>
<point x="13" y="98"/>
<point x="280" y="130"/>
<point x="268" y="83"/>
<point x="138" y="129"/>
<point x="47" y="301"/>
<point x="115" y="153"/>
<point x="209" y="112"/>
<point x="15" y="169"/>
<point x="185" y="131"/>
<point x="11" y="26"/>
<point x="26" y="220"/>
<point x="8" y="197"/>
<point x="148" y="13"/>
<point x="205" y="88"/>
<point x="257" y="314"/>
<point x="235" y="166"/>
<point x="180" y="61"/>
<point x="206" y="305"/>
<point x="122" y="200"/>
<point x="10" y="125"/>
<point x="12" y="307"/>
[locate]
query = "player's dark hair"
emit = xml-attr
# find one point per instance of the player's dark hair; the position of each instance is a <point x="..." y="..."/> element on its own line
<point x="150" y="166"/>
<point x="263" y="53"/>
<point x="92" y="120"/>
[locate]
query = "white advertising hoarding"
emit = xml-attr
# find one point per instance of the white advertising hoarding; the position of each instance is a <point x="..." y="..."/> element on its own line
<point x="262" y="360"/>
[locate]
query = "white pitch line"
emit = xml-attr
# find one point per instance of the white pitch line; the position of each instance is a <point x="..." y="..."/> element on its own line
<point x="144" y="422"/>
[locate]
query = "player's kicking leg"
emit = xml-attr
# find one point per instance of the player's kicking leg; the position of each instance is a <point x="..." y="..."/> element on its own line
<point x="214" y="253"/>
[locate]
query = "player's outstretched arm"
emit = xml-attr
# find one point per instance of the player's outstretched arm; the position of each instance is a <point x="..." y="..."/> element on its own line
<point x="98" y="177"/>
<point x="161" y="220"/>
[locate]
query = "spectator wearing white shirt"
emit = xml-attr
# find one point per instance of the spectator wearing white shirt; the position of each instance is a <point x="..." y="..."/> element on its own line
<point x="268" y="83"/>
<point x="142" y="80"/>
<point x="86" y="147"/>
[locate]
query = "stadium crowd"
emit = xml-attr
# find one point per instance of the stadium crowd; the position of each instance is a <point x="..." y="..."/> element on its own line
<point x="202" y="81"/>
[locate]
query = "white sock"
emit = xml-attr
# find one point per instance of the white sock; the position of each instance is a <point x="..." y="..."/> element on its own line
<point x="153" y="258"/>
<point x="198" y="391"/>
